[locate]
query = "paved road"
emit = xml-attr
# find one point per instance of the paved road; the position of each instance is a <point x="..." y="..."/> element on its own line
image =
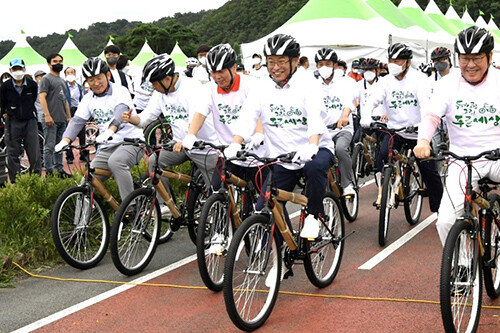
<point x="390" y="289"/>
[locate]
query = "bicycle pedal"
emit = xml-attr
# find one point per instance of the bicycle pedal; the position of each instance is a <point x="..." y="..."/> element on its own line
<point x="423" y="192"/>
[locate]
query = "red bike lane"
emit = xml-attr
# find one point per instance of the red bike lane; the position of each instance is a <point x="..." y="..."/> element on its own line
<point x="399" y="294"/>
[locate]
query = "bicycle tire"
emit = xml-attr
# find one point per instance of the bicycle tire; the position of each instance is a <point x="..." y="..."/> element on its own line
<point x="491" y="259"/>
<point x="350" y="205"/>
<point x="196" y="198"/>
<point x="135" y="231"/>
<point x="246" y="273"/>
<point x="81" y="237"/>
<point x="215" y="231"/>
<point x="322" y="261"/>
<point x="460" y="296"/>
<point x="358" y="162"/>
<point x="412" y="178"/>
<point x="157" y="127"/>
<point x="385" y="206"/>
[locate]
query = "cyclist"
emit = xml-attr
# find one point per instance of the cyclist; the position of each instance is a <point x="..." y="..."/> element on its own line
<point x="225" y="97"/>
<point x="354" y="73"/>
<point x="441" y="59"/>
<point x="177" y="99"/>
<point x="338" y="97"/>
<point x="471" y="106"/>
<point x="370" y="67"/>
<point x="106" y="103"/>
<point x="290" y="110"/>
<point x="403" y="93"/>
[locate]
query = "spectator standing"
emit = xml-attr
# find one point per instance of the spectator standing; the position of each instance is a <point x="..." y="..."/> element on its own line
<point x="200" y="73"/>
<point x="112" y="54"/>
<point x="74" y="95"/>
<point x="55" y="106"/>
<point x="18" y="96"/>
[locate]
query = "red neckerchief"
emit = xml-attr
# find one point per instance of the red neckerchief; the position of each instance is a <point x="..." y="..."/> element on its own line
<point x="235" y="86"/>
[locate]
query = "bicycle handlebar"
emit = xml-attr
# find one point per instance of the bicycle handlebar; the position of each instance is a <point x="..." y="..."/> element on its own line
<point x="285" y="158"/>
<point x="489" y="154"/>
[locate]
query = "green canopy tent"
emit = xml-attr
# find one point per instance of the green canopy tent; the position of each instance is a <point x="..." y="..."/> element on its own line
<point x="144" y="55"/>
<point x="110" y="42"/>
<point x="23" y="50"/>
<point x="72" y="56"/>
<point x="467" y="19"/>
<point x="433" y="11"/>
<point x="453" y="17"/>
<point x="178" y="56"/>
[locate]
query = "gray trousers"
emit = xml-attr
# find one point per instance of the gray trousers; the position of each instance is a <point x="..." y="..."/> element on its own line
<point x="204" y="162"/>
<point x="342" y="150"/>
<point x="119" y="159"/>
<point x="20" y="132"/>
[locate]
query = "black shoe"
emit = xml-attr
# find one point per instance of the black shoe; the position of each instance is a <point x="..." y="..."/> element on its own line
<point x="64" y="174"/>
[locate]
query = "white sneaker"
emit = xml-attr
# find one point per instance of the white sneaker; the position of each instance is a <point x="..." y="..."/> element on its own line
<point x="311" y="227"/>
<point x="216" y="246"/>
<point x="165" y="212"/>
<point x="349" y="191"/>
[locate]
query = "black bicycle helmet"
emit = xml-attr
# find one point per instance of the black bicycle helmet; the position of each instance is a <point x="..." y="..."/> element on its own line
<point x="283" y="45"/>
<point x="440" y="52"/>
<point x="399" y="51"/>
<point x="157" y="68"/>
<point x="220" y="57"/>
<point x="474" y="40"/>
<point x="369" y="63"/>
<point x="94" y="66"/>
<point x="325" y="53"/>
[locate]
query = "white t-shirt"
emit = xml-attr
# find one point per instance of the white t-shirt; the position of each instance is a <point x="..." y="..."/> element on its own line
<point x="260" y="73"/>
<point x="178" y="108"/>
<point x="200" y="74"/>
<point x="290" y="115"/>
<point x="402" y="99"/>
<point x="364" y="89"/>
<point x="472" y="113"/>
<point x="102" y="110"/>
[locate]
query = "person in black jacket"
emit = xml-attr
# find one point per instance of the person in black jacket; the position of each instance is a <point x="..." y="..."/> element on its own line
<point x="18" y="96"/>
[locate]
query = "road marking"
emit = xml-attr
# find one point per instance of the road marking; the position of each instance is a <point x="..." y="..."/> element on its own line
<point x="96" y="299"/>
<point x="397" y="244"/>
<point x="115" y="291"/>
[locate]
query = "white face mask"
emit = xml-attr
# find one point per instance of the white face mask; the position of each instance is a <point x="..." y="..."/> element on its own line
<point x="18" y="75"/>
<point x="395" y="69"/>
<point x="369" y="76"/>
<point x="71" y="78"/>
<point x="355" y="70"/>
<point x="255" y="61"/>
<point x="339" y="72"/>
<point x="325" y="72"/>
<point x="203" y="61"/>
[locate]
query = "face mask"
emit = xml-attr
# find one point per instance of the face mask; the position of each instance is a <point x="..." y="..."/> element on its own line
<point x="57" y="67"/>
<point x="203" y="60"/>
<point x="395" y="69"/>
<point x="383" y="74"/>
<point x="71" y="78"/>
<point x="369" y="75"/>
<point x="112" y="61"/>
<point x="126" y="69"/>
<point x="441" y="66"/>
<point x="354" y="70"/>
<point x="255" y="61"/>
<point x="325" y="72"/>
<point x="18" y="75"/>
<point x="338" y="72"/>
<point x="5" y="79"/>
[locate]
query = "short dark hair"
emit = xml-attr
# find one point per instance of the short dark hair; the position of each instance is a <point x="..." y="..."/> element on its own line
<point x="303" y="60"/>
<point x="52" y="56"/>
<point x="112" y="49"/>
<point x="257" y="55"/>
<point x="122" y="62"/>
<point x="69" y="68"/>
<point x="202" y="48"/>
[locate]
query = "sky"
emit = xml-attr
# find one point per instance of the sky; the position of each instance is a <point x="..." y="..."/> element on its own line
<point x="41" y="18"/>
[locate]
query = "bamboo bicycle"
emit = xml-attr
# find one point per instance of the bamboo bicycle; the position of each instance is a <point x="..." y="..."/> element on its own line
<point x="471" y="251"/>
<point x="253" y="268"/>
<point x="222" y="213"/>
<point x="137" y="225"/>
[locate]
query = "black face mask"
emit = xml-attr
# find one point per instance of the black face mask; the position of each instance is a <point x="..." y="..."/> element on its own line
<point x="57" y="67"/>
<point x="441" y="66"/>
<point x="383" y="74"/>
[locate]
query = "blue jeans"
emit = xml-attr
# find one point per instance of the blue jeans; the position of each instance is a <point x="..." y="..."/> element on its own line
<point x="53" y="136"/>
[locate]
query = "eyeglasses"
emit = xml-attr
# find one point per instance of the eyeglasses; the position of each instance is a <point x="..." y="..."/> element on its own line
<point x="465" y="61"/>
<point x="280" y="63"/>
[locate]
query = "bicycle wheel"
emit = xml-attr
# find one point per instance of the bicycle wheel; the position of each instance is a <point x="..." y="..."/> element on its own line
<point x="460" y="287"/>
<point x="80" y="228"/>
<point x="158" y="132"/>
<point x="135" y="231"/>
<point x="196" y="198"/>
<point x="385" y="206"/>
<point x="252" y="273"/>
<point x="412" y="180"/>
<point x="350" y="205"/>
<point x="215" y="232"/>
<point x="491" y="257"/>
<point x="358" y="162"/>
<point x="324" y="255"/>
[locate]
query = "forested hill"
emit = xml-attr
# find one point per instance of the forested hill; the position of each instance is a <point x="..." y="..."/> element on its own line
<point x="238" y="21"/>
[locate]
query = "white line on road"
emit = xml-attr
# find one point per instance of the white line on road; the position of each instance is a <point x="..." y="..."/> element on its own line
<point x="96" y="299"/>
<point x="397" y="244"/>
